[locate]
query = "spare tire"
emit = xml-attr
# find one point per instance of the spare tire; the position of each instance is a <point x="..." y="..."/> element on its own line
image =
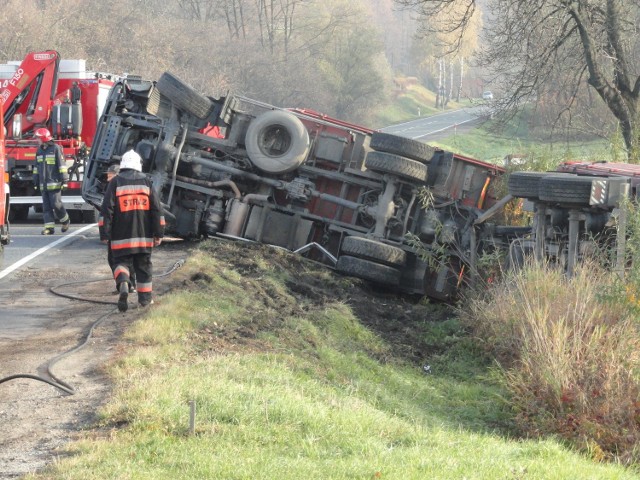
<point x="183" y="96"/>
<point x="277" y="142"/>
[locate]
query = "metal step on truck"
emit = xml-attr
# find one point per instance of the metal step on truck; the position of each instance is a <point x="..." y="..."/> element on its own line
<point x="42" y="90"/>
<point x="384" y="208"/>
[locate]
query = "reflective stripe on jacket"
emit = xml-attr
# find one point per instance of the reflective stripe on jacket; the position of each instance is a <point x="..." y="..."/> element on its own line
<point x="50" y="171"/>
<point x="131" y="214"/>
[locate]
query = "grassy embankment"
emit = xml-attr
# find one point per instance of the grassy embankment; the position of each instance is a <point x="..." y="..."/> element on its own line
<point x="298" y="373"/>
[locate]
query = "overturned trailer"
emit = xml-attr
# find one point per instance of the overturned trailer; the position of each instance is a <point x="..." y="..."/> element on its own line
<point x="576" y="212"/>
<point x="340" y="193"/>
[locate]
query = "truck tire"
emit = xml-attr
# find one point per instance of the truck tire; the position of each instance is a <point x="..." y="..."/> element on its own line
<point x="383" y="162"/>
<point x="519" y="254"/>
<point x="374" y="272"/>
<point x="567" y="188"/>
<point x="183" y="96"/>
<point x="90" y="216"/>
<point x="367" y="249"/>
<point x="525" y="184"/>
<point x="277" y="142"/>
<point x="18" y="213"/>
<point x="405" y="147"/>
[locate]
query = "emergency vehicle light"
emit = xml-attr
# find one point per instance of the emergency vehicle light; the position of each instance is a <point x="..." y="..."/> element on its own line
<point x="74" y="185"/>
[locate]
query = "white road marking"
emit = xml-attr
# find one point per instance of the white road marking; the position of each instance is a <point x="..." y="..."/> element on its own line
<point x="443" y="129"/>
<point x="42" y="250"/>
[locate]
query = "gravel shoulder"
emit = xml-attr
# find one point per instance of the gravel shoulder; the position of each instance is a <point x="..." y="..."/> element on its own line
<point x="38" y="419"/>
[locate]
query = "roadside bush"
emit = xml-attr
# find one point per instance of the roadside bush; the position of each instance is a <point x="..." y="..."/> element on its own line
<point x="569" y="355"/>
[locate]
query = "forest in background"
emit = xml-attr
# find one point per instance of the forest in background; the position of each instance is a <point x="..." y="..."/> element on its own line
<point x="345" y="58"/>
<point x="339" y="57"/>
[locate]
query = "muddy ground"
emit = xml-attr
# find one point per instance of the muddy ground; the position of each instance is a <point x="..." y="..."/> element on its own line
<point x="38" y="420"/>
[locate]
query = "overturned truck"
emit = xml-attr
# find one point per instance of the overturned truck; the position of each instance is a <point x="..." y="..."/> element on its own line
<point x="370" y="204"/>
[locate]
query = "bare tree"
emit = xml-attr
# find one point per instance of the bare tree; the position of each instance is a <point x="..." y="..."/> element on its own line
<point x="276" y="21"/>
<point x="531" y="42"/>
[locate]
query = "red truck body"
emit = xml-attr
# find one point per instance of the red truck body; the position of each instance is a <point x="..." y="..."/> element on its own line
<point x="4" y="192"/>
<point x="45" y="91"/>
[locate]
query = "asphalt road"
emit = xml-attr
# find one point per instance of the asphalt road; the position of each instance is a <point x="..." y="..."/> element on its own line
<point x="27" y="244"/>
<point x="439" y="126"/>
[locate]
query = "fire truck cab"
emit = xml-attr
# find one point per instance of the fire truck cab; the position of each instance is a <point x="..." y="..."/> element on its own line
<point x="61" y="95"/>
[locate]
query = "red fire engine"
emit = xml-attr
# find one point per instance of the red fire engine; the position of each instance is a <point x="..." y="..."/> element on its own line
<point x="45" y="91"/>
<point x="4" y="193"/>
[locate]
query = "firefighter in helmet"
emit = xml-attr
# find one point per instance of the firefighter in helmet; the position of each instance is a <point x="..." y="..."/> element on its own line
<point x="132" y="224"/>
<point x="49" y="176"/>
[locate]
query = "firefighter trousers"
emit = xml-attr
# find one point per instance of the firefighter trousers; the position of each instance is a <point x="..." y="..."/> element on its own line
<point x="140" y="264"/>
<point x="53" y="208"/>
<point x="113" y="264"/>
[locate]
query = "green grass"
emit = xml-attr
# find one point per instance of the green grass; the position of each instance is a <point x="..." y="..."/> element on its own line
<point x="415" y="102"/>
<point x="291" y="385"/>
<point x="491" y="147"/>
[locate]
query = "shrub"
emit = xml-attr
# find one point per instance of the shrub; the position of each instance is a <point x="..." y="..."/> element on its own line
<point x="568" y="354"/>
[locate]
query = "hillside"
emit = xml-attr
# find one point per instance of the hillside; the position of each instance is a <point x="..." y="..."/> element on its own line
<point x="296" y="372"/>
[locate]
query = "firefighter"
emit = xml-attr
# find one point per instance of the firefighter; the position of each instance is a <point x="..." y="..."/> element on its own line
<point x="132" y="224"/>
<point x="50" y="175"/>
<point x="112" y="171"/>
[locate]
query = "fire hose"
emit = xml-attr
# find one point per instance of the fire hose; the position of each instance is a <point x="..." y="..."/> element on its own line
<point x="53" y="380"/>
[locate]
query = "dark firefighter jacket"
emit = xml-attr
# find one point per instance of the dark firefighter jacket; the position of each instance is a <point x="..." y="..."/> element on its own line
<point x="131" y="214"/>
<point x="50" y="171"/>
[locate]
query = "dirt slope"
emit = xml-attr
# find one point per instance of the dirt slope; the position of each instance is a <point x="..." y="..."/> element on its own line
<point x="38" y="419"/>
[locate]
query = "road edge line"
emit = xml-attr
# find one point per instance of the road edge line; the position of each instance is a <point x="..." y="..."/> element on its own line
<point x="40" y="251"/>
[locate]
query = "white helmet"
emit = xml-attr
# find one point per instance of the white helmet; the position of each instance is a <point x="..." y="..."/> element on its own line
<point x="131" y="160"/>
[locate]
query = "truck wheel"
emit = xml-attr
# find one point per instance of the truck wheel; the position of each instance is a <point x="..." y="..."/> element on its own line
<point x="18" y="212"/>
<point x="374" y="272"/>
<point x="519" y="254"/>
<point x="382" y="162"/>
<point x="525" y="184"/>
<point x="277" y="142"/>
<point x="75" y="216"/>
<point x="183" y="96"/>
<point x="373" y="250"/>
<point x="90" y="216"/>
<point x="405" y="147"/>
<point x="567" y="188"/>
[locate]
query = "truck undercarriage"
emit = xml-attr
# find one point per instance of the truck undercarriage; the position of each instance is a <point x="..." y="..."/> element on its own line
<point x="360" y="201"/>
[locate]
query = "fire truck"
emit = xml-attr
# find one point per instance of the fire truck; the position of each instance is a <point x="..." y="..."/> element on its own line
<point x="43" y="90"/>
<point x="387" y="209"/>
<point x="4" y="192"/>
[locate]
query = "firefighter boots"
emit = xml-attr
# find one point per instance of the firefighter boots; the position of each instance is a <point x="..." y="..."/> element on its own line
<point x="65" y="225"/>
<point x="123" y="303"/>
<point x="48" y="231"/>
